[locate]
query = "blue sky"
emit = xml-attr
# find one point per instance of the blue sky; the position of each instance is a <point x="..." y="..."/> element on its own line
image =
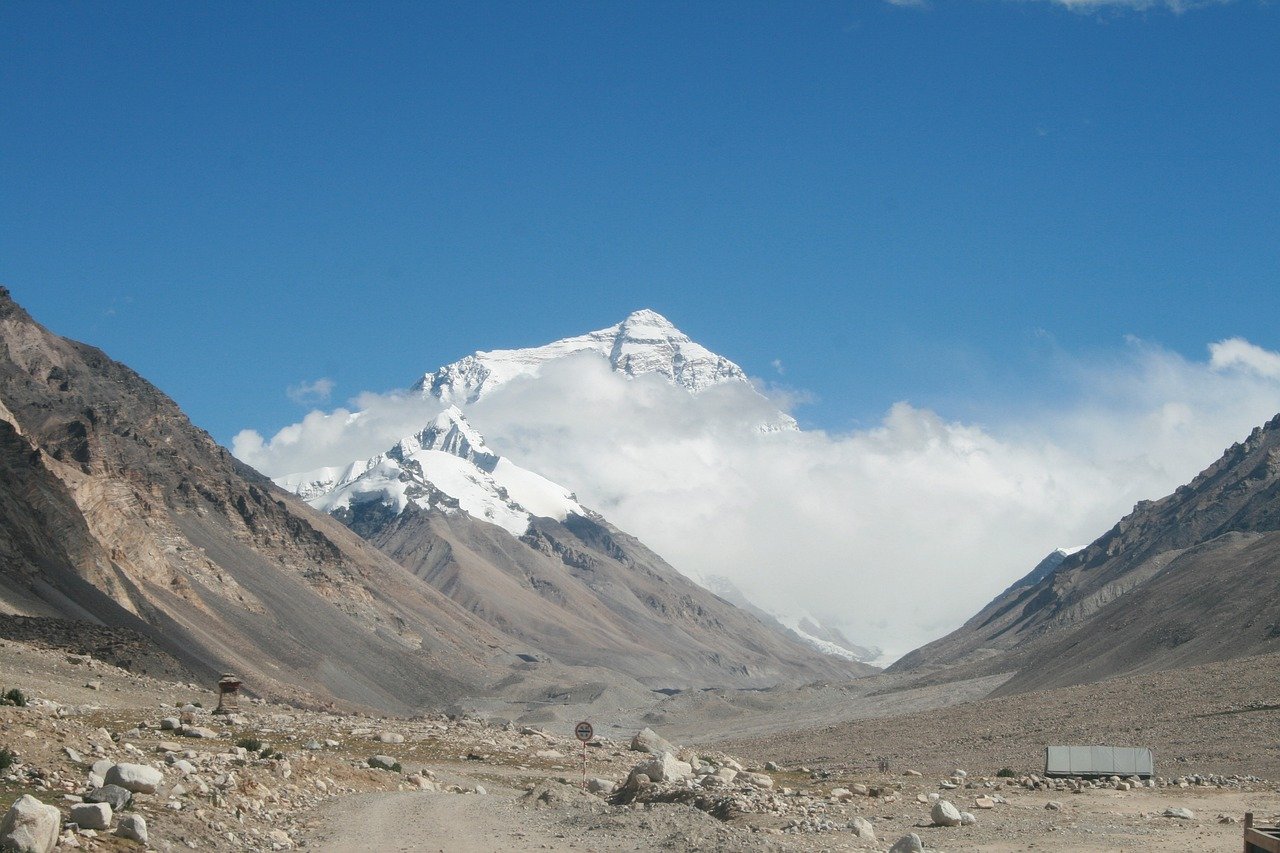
<point x="895" y="202"/>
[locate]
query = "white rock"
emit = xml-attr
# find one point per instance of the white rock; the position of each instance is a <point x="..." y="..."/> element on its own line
<point x="30" y="826"/>
<point x="197" y="732"/>
<point x="967" y="819"/>
<point x="665" y="768"/>
<point x="944" y="814"/>
<point x="1182" y="814"/>
<point x="863" y="829"/>
<point x="760" y="780"/>
<point x="647" y="740"/>
<point x="138" y="778"/>
<point x="91" y="815"/>
<point x="908" y="844"/>
<point x="134" y="827"/>
<point x="390" y="737"/>
<point x="603" y="787"/>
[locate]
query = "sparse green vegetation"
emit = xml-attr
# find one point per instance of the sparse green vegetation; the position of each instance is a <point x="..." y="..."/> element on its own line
<point x="6" y="758"/>
<point x="14" y="696"/>
<point x="1007" y="773"/>
<point x="251" y="744"/>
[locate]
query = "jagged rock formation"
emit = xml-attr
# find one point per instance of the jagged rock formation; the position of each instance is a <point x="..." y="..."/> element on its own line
<point x="1191" y="578"/>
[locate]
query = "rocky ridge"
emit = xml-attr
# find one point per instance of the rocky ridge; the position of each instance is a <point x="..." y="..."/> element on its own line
<point x="1183" y="580"/>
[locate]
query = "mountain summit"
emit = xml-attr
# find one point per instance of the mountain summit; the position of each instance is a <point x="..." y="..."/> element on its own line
<point x="645" y="342"/>
<point x="445" y="466"/>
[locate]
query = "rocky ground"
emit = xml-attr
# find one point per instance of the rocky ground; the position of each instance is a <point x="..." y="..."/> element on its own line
<point x="274" y="777"/>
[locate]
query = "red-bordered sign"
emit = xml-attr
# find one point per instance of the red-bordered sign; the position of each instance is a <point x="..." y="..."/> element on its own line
<point x="583" y="731"/>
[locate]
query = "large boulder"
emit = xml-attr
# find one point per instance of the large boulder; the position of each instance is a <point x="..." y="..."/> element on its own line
<point x="944" y="813"/>
<point x="138" y="778"/>
<point x="664" y="768"/>
<point x="133" y="827"/>
<point x="863" y="829"/>
<point x="30" y="826"/>
<point x="647" y="740"/>
<point x="91" y="815"/>
<point x="908" y="844"/>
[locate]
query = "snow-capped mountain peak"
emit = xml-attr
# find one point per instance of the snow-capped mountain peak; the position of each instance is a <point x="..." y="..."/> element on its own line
<point x="643" y="343"/>
<point x="447" y="467"/>
<point x="449" y="433"/>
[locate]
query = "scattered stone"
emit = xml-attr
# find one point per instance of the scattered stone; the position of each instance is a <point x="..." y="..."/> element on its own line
<point x="967" y="819"/>
<point x="390" y="737"/>
<point x="133" y="827"/>
<point x="113" y="795"/>
<point x="908" y="844"/>
<point x="771" y="767"/>
<point x="944" y="813"/>
<point x="911" y="773"/>
<point x="1053" y="806"/>
<point x="138" y="778"/>
<point x="862" y="828"/>
<point x="1180" y="813"/>
<point x="665" y="768"/>
<point x="30" y="826"/>
<point x="984" y="803"/>
<point x="197" y="732"/>
<point x="603" y="787"/>
<point x="647" y="740"/>
<point x="842" y="794"/>
<point x="170" y="724"/>
<point x="382" y="762"/>
<point x="73" y="755"/>
<point x="91" y="815"/>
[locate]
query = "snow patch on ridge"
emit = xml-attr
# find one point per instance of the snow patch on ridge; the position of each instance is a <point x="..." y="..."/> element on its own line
<point x="447" y="467"/>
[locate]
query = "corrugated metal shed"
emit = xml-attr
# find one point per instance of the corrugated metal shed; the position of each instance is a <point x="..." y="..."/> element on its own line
<point x="1098" y="761"/>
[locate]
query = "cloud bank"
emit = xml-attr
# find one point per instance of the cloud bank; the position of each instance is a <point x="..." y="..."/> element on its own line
<point x="896" y="533"/>
<point x="305" y="393"/>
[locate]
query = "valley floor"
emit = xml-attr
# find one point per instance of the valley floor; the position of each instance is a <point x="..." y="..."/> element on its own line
<point x="469" y="785"/>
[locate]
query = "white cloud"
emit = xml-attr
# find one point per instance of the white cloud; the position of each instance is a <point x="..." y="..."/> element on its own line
<point x="1175" y="6"/>
<point x="1239" y="354"/>
<point x="305" y="393"/>
<point x="895" y="533"/>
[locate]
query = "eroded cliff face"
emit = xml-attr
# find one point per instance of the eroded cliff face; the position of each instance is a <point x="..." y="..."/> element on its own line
<point x="119" y="510"/>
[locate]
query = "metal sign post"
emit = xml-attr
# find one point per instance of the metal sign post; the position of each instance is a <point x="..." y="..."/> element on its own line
<point x="584" y="732"/>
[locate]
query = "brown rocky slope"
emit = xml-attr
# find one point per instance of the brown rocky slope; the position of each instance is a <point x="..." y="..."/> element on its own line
<point x="117" y="509"/>
<point x="1191" y="578"/>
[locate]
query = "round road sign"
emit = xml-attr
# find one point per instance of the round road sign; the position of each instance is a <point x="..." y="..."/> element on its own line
<point x="583" y="731"/>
